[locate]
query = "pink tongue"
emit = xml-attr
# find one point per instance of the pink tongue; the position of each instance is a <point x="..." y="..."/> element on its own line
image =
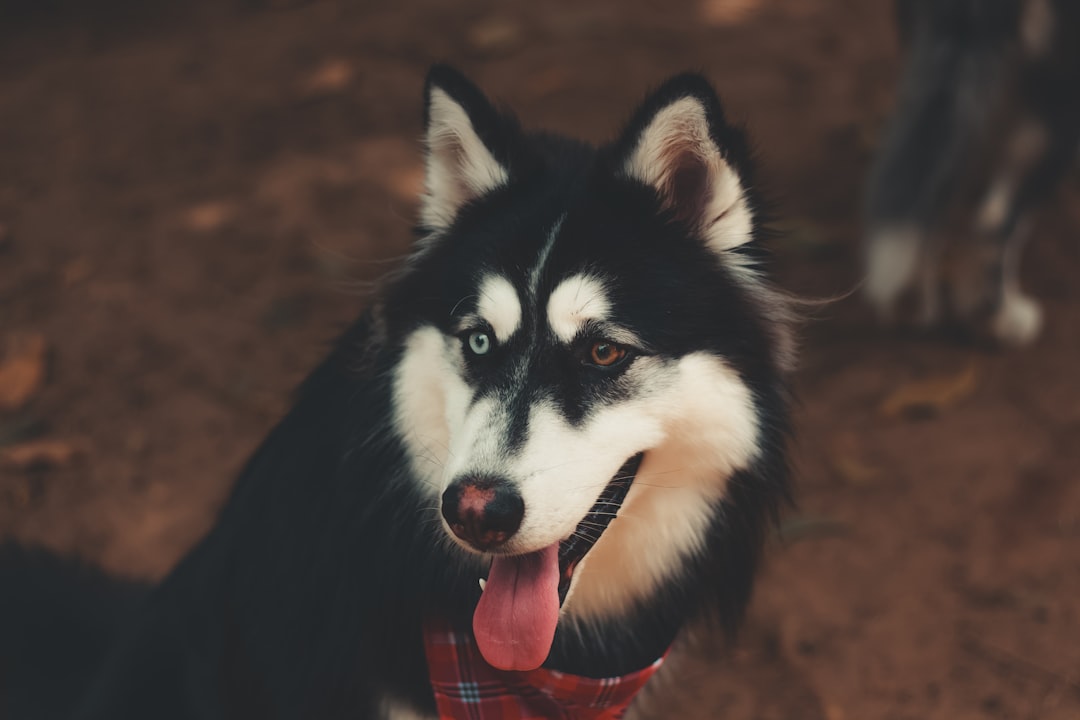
<point x="515" y="620"/>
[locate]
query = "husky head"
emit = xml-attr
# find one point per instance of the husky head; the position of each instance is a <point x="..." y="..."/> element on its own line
<point x="590" y="359"/>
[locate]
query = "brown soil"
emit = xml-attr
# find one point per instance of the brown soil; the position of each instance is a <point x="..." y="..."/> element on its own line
<point x="196" y="195"/>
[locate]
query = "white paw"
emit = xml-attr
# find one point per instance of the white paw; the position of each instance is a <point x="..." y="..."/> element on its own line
<point x="1019" y="320"/>
<point x="892" y="257"/>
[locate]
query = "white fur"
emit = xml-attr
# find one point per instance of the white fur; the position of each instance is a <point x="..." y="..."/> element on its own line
<point x="499" y="306"/>
<point x="995" y="206"/>
<point x="476" y="441"/>
<point x="577" y="300"/>
<point x="460" y="168"/>
<point x="447" y="434"/>
<point x="709" y="430"/>
<point x="430" y="399"/>
<point x="1025" y="146"/>
<point x="696" y="422"/>
<point x="545" y="252"/>
<point x="694" y="418"/>
<point x="682" y="129"/>
<point x="727" y="221"/>
<point x="1019" y="319"/>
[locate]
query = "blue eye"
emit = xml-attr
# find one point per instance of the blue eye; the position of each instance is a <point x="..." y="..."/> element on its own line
<point x="479" y="343"/>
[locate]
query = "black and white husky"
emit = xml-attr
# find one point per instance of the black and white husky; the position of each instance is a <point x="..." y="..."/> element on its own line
<point x="574" y="388"/>
<point x="988" y="111"/>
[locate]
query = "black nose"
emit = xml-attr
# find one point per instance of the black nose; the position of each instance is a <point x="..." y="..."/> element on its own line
<point x="483" y="511"/>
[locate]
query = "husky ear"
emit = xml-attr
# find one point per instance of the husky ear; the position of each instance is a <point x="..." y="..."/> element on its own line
<point x="466" y="141"/>
<point x="679" y="144"/>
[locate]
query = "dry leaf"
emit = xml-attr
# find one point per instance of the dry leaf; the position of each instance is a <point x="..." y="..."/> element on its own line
<point x="75" y="271"/>
<point x="331" y="76"/>
<point x="494" y="35"/>
<point x="22" y="371"/>
<point x="209" y="216"/>
<point x="727" y="12"/>
<point x="548" y="81"/>
<point x="845" y="456"/>
<point x="19" y="494"/>
<point x="406" y="183"/>
<point x="136" y="441"/>
<point x="930" y="396"/>
<point x="38" y="455"/>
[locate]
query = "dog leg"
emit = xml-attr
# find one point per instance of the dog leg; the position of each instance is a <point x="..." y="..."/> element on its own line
<point x="1033" y="166"/>
<point x="1028" y="170"/>
<point x="1018" y="319"/>
<point x="930" y="285"/>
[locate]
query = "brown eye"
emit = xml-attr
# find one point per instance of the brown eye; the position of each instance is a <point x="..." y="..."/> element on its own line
<point x="606" y="354"/>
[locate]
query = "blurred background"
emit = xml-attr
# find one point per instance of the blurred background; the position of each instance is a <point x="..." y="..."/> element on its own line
<point x="195" y="196"/>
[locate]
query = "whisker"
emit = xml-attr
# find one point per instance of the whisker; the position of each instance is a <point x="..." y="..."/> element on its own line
<point x="453" y="310"/>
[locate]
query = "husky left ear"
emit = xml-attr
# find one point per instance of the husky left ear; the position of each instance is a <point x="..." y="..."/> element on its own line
<point x="679" y="144"/>
<point x="467" y="141"/>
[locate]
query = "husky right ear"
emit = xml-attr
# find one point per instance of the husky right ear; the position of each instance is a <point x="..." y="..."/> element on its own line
<point x="467" y="143"/>
<point x="680" y="145"/>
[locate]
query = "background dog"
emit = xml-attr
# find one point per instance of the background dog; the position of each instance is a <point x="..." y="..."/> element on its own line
<point x="986" y="116"/>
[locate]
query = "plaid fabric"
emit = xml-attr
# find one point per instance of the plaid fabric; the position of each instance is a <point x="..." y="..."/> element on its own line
<point x="467" y="688"/>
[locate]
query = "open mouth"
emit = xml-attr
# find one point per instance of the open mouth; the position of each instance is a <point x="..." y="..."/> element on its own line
<point x="593" y="525"/>
<point x="518" y="611"/>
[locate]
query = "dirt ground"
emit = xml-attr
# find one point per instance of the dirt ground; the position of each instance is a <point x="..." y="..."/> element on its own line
<point x="196" y="195"/>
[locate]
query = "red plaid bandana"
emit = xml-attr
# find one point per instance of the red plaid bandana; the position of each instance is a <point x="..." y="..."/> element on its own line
<point x="467" y="688"/>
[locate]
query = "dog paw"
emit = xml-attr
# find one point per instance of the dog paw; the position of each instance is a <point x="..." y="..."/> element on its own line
<point x="892" y="260"/>
<point x="1018" y="321"/>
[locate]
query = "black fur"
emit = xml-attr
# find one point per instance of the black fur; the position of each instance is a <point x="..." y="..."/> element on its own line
<point x="57" y="618"/>
<point x="306" y="599"/>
